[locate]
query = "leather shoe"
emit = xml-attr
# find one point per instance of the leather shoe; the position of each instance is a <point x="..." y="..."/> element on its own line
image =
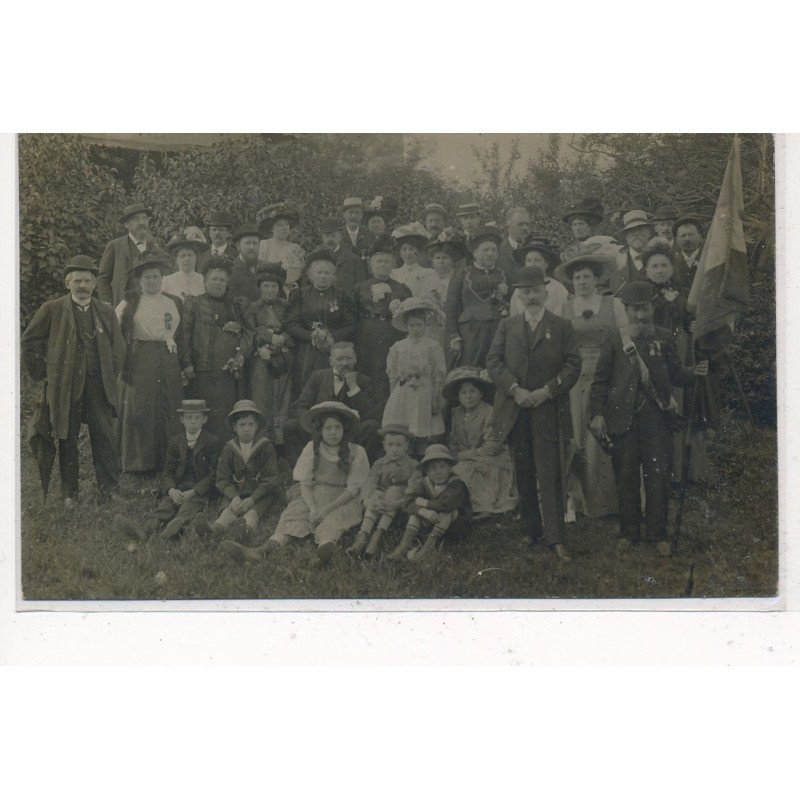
<point x="561" y="552"/>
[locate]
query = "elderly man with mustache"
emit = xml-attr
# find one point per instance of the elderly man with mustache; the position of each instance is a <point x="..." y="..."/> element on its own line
<point x="121" y="253"/>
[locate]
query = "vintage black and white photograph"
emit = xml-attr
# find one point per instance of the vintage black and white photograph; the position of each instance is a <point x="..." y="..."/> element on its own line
<point x="397" y="366"/>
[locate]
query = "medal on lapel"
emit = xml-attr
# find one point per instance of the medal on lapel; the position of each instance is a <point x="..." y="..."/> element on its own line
<point x="168" y="321"/>
<point x="547" y="334"/>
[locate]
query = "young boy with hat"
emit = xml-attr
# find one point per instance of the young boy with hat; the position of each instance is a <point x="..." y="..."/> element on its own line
<point x="633" y="407"/>
<point x="437" y="503"/>
<point x="187" y="479"/>
<point x="247" y="473"/>
<point x="384" y="491"/>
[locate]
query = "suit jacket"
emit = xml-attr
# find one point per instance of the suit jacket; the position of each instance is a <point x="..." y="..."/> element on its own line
<point x="350" y="270"/>
<point x="49" y="348"/>
<point x="626" y="273"/>
<point x="202" y="260"/>
<point x="616" y="393"/>
<point x="204" y="456"/>
<point x="506" y="260"/>
<point x="115" y="265"/>
<point x="364" y="240"/>
<point x="319" y="388"/>
<point x="243" y="282"/>
<point x="547" y="357"/>
<point x="682" y="274"/>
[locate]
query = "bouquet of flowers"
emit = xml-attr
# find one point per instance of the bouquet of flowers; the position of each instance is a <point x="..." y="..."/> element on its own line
<point x="321" y="337"/>
<point x="379" y="291"/>
<point x="235" y="364"/>
<point x="232" y="327"/>
<point x="394" y="306"/>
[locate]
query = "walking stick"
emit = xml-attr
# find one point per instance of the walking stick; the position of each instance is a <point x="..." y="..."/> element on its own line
<point x="686" y="450"/>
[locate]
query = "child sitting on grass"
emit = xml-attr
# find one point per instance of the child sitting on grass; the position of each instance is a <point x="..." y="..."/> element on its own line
<point x="247" y="474"/>
<point x="187" y="478"/>
<point x="383" y="494"/>
<point x="437" y="503"/>
<point x="330" y="474"/>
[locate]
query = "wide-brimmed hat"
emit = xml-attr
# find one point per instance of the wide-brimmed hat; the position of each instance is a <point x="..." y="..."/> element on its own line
<point x="383" y="244"/>
<point x="219" y="219"/>
<point x="194" y="234"/>
<point x="529" y="276"/>
<point x="413" y="233"/>
<point x="246" y="230"/>
<point x="414" y="304"/>
<point x="180" y="241"/>
<point x="396" y="428"/>
<point x="149" y="261"/>
<point x="219" y="262"/>
<point x="270" y="272"/>
<point x="134" y="208"/>
<point x="636" y="293"/>
<point x="635" y="219"/>
<point x="459" y="375"/>
<point x="270" y="214"/>
<point x="601" y="266"/>
<point x="665" y="213"/>
<point x="188" y="406"/>
<point x="437" y="452"/>
<point x="465" y="209"/>
<point x="348" y="416"/>
<point x="486" y="234"/>
<point x="320" y="254"/>
<point x="540" y="244"/>
<point x="80" y="264"/>
<point x="331" y="225"/>
<point x="380" y="206"/>
<point x="352" y="202"/>
<point x="589" y="207"/>
<point x="243" y="407"/>
<point x="686" y="219"/>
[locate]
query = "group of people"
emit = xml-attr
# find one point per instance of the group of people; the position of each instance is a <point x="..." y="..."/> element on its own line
<point x="413" y="374"/>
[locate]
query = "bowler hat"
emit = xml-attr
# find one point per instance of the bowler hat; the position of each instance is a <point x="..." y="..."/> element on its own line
<point x="466" y="209"/>
<point x="396" y="428"/>
<point x="635" y="219"/>
<point x="270" y="272"/>
<point x="320" y="254"/>
<point x="529" y="276"/>
<point x="636" y="293"/>
<point x="687" y="219"/>
<point x="243" y="407"/>
<point x="665" y="213"/>
<point x="601" y="266"/>
<point x="331" y="225"/>
<point x="589" y="207"/>
<point x="134" y="208"/>
<point x="348" y="416"/>
<point x="246" y="230"/>
<point x="414" y="304"/>
<point x="460" y="375"/>
<point x="80" y="264"/>
<point x="539" y="244"/>
<point x="486" y="234"/>
<point x="181" y="240"/>
<point x="383" y="244"/>
<point x="437" y="452"/>
<point x="193" y="405"/>
<point x="352" y="202"/>
<point x="219" y="219"/>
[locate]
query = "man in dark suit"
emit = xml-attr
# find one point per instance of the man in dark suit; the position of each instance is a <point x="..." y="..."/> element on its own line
<point x="637" y="232"/>
<point x="342" y="383"/>
<point x="120" y="254"/>
<point x="243" y="273"/>
<point x="534" y="361"/>
<point x="75" y="345"/>
<point x="518" y="228"/>
<point x="357" y="237"/>
<point x="220" y="226"/>
<point x="350" y="269"/>
<point x="632" y="407"/>
<point x="689" y="241"/>
<point x="663" y="220"/>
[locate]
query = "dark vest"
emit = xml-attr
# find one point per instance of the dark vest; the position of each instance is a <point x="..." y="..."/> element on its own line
<point x="87" y="361"/>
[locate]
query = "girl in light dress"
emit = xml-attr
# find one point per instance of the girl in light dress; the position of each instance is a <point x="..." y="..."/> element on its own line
<point x="416" y="370"/>
<point x="483" y="462"/>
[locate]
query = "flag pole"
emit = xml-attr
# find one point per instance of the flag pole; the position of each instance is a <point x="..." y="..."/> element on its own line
<point x="729" y="362"/>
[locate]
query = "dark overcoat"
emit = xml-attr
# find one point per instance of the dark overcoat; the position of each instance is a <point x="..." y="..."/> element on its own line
<point x="49" y="351"/>
<point x="549" y="357"/>
<point x="115" y="266"/>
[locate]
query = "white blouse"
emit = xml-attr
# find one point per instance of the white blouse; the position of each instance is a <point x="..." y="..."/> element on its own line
<point x="156" y="319"/>
<point x="184" y="284"/>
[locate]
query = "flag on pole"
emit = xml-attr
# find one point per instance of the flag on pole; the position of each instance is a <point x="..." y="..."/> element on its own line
<point x="721" y="288"/>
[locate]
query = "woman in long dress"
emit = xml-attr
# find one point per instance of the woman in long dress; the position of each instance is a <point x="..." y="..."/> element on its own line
<point x="217" y="340"/>
<point x="477" y="299"/>
<point x="276" y="247"/>
<point x="151" y="387"/>
<point x="374" y="300"/>
<point x="591" y="488"/>
<point x="318" y="315"/>
<point x="271" y="361"/>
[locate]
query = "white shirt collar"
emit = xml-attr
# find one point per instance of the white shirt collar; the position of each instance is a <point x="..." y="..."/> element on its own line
<point x="82" y="306"/>
<point x="691" y="258"/>
<point x="534" y="319"/>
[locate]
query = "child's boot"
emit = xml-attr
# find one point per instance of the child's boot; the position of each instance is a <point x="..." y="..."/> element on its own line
<point x="427" y="553"/>
<point x="359" y="544"/>
<point x="400" y="551"/>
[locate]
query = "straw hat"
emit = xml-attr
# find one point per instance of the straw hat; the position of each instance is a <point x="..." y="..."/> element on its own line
<point x="414" y="304"/>
<point x="243" y="407"/>
<point x="347" y="415"/>
<point x="456" y="377"/>
<point x="601" y="266"/>
<point x="437" y="452"/>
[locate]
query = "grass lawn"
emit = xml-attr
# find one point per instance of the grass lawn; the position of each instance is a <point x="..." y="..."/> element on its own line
<point x="730" y="536"/>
